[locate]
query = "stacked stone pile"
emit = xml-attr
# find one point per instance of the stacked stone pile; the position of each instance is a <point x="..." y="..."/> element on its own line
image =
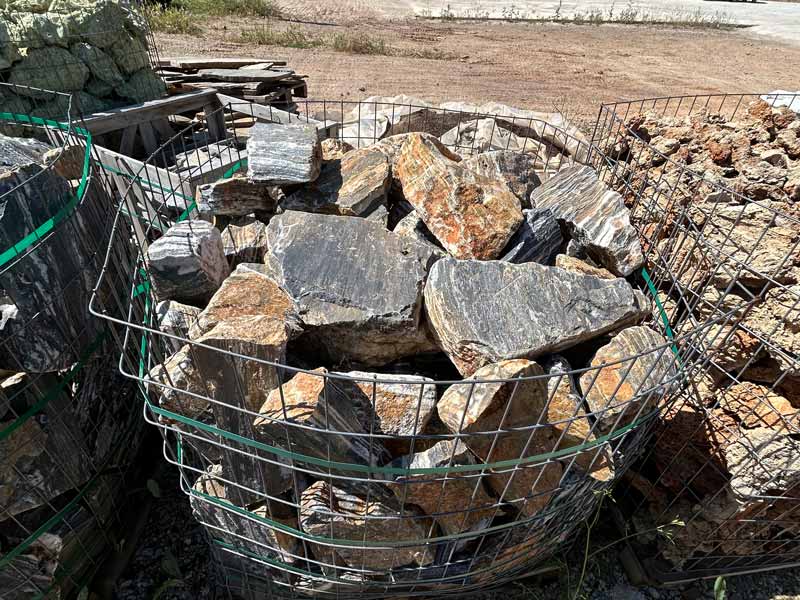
<point x="68" y="428"/>
<point x="379" y="271"/>
<point x="722" y="198"/>
<point x="94" y="49"/>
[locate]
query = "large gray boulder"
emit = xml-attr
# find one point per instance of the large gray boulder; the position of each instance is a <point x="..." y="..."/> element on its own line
<point x="358" y="286"/>
<point x="516" y="169"/>
<point x="100" y="64"/>
<point x="188" y="262"/>
<point x="486" y="311"/>
<point x="49" y="68"/>
<point x="283" y="154"/>
<point x="538" y="239"/>
<point x="595" y="215"/>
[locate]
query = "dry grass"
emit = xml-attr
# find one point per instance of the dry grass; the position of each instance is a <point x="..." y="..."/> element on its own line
<point x="170" y="20"/>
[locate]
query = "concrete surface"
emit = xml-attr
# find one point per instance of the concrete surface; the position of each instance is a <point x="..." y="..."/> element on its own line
<point x="776" y="19"/>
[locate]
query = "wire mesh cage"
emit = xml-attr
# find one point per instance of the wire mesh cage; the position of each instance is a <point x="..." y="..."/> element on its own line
<point x="320" y="470"/>
<point x="68" y="424"/>
<point x="712" y="185"/>
<point x="100" y="53"/>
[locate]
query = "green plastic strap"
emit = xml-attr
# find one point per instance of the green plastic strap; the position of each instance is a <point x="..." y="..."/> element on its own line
<point x="50" y="224"/>
<point x="654" y="293"/>
<point x="55" y="390"/>
<point x="56" y="518"/>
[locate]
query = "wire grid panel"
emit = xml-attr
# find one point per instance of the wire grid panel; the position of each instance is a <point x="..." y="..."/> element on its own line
<point x="318" y="497"/>
<point x="721" y="477"/>
<point x="102" y="53"/>
<point x="68" y="426"/>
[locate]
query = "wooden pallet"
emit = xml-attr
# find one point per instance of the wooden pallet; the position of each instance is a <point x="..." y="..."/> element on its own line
<point x="263" y="81"/>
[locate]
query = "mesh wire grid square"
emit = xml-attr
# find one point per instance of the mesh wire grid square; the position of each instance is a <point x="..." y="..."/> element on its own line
<point x="307" y="503"/>
<point x="720" y="476"/>
<point x="69" y="428"/>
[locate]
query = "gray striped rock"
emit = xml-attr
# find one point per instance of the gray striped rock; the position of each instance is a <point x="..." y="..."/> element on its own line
<point x="617" y="394"/>
<point x="763" y="460"/>
<point x="356" y="185"/>
<point x="297" y="415"/>
<point x="281" y="154"/>
<point x="188" y="262"/>
<point x="245" y="243"/>
<point x="335" y="513"/>
<point x="486" y="311"/>
<point x="235" y="197"/>
<point x="175" y="319"/>
<point x="411" y="226"/>
<point x="516" y="169"/>
<point x="595" y="216"/>
<point x="538" y="239"/>
<point x="358" y="287"/>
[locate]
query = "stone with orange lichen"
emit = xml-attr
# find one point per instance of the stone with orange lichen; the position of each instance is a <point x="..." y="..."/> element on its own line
<point x="576" y="265"/>
<point x="314" y="415"/>
<point x="627" y="377"/>
<point x="754" y="405"/>
<point x="471" y="215"/>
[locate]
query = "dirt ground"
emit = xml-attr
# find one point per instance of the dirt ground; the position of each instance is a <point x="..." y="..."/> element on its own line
<point x="529" y="65"/>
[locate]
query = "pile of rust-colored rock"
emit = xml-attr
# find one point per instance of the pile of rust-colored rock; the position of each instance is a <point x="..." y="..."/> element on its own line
<point x="380" y="271"/>
<point x="721" y="199"/>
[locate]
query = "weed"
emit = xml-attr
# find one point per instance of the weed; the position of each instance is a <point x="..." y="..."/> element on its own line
<point x="170" y="20"/>
<point x="359" y="43"/>
<point x="291" y="37"/>
<point x="239" y="8"/>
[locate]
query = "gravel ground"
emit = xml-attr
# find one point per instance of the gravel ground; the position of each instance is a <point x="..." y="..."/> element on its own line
<point x="172" y="562"/>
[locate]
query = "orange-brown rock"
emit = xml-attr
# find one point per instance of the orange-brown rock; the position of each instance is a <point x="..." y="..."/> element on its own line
<point x="576" y="265"/>
<point x="471" y="215"/>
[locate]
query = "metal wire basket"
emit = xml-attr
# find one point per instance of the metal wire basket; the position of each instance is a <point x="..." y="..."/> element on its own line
<point x="321" y="507"/>
<point x="719" y="241"/>
<point x="68" y="428"/>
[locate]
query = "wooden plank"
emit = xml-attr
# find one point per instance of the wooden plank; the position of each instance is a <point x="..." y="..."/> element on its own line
<point x="216" y="63"/>
<point x="164" y="129"/>
<point x="148" y="138"/>
<point x="119" y="118"/>
<point x="215" y="121"/>
<point x="237" y="76"/>
<point x="128" y="140"/>
<point x="275" y="115"/>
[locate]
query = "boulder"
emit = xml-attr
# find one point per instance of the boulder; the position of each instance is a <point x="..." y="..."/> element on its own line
<point x="299" y="415"/>
<point x="472" y="216"/>
<point x="46" y="454"/>
<point x="179" y="386"/>
<point x="486" y="407"/>
<point x="411" y="226"/>
<point x="516" y="169"/>
<point x="457" y="501"/>
<point x="175" y="319"/>
<point x="347" y="520"/>
<point x="775" y="322"/>
<point x="576" y="265"/>
<point x="251" y="318"/>
<point x="49" y="68"/>
<point x="571" y="426"/>
<point x="594" y="215"/>
<point x="188" y="262"/>
<point x="334" y="149"/>
<point x="483" y="312"/>
<point x="283" y="154"/>
<point x="762" y="461"/>
<point x="476" y="136"/>
<point x="142" y="86"/>
<point x="101" y="65"/>
<point x="402" y="405"/>
<point x="356" y="185"/>
<point x="537" y="240"/>
<point x="129" y="54"/>
<point x="234" y="197"/>
<point x="358" y="287"/>
<point x="245" y="243"/>
<point x="622" y="386"/>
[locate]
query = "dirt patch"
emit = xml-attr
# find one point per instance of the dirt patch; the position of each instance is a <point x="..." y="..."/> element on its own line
<point x="536" y="66"/>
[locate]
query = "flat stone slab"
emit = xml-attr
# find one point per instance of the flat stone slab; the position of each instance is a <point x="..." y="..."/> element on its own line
<point x="282" y="154"/>
<point x="595" y="215"/>
<point x="235" y="196"/>
<point x="486" y="311"/>
<point x="358" y="287"/>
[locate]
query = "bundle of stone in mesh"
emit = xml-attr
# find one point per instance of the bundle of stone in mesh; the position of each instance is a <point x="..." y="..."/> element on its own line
<point x="65" y="412"/>
<point x="386" y="268"/>
<point x="727" y="464"/>
<point x="94" y="49"/>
